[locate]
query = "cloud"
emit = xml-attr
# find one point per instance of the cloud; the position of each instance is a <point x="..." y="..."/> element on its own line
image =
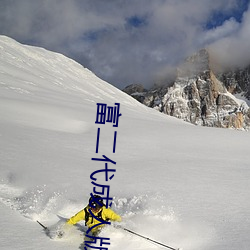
<point x="232" y="50"/>
<point x="121" y="41"/>
<point x="228" y="28"/>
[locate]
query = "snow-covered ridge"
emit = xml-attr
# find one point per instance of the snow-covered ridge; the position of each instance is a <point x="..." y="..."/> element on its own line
<point x="24" y="69"/>
<point x="33" y="74"/>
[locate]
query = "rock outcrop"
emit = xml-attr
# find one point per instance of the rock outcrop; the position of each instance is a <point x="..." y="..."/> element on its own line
<point x="199" y="96"/>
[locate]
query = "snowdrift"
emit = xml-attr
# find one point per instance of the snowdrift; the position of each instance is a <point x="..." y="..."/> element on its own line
<point x="182" y="185"/>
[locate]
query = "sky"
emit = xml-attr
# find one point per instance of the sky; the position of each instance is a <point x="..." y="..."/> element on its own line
<point x="132" y="41"/>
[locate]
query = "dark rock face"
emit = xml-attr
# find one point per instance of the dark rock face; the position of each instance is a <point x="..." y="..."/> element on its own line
<point x="201" y="97"/>
<point x="237" y="81"/>
<point x="137" y="91"/>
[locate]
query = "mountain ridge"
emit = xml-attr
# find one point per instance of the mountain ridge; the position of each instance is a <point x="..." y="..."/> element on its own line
<point x="200" y="95"/>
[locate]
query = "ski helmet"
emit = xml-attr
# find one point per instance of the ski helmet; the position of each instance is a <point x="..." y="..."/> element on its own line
<point x="95" y="201"/>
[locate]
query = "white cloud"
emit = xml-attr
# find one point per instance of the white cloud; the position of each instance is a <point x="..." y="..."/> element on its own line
<point x="228" y="28"/>
<point x="233" y="50"/>
<point x="97" y="32"/>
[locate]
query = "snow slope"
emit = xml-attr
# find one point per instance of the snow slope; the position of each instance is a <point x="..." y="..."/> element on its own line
<point x="176" y="183"/>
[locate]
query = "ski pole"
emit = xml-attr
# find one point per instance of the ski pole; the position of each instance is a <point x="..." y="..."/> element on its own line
<point x="150" y="239"/>
<point x="45" y="228"/>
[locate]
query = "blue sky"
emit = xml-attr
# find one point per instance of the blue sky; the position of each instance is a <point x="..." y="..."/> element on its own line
<point x="218" y="17"/>
<point x="131" y="41"/>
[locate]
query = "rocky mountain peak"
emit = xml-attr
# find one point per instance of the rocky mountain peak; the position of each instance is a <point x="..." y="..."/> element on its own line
<point x="200" y="96"/>
<point x="196" y="64"/>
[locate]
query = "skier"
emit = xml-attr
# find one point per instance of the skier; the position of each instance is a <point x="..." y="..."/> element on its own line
<point x="100" y="212"/>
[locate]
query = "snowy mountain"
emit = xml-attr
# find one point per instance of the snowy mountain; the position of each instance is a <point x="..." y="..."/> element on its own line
<point x="201" y="96"/>
<point x="182" y="185"/>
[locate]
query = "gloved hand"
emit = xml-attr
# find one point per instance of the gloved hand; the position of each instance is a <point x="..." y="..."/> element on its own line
<point x="117" y="226"/>
<point x="60" y="230"/>
<point x="60" y="233"/>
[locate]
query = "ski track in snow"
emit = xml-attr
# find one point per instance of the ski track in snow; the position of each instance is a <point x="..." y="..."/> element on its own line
<point x="143" y="214"/>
